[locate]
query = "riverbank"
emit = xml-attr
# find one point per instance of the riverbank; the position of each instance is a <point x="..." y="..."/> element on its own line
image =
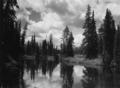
<point x="81" y="60"/>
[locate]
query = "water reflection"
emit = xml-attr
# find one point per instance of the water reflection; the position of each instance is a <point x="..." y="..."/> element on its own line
<point x="67" y="75"/>
<point x="104" y="78"/>
<point x="90" y="78"/>
<point x="110" y="79"/>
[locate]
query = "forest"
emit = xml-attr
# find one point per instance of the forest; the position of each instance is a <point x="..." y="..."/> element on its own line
<point x="18" y="55"/>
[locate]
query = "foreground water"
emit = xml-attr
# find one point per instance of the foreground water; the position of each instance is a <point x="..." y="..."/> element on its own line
<point x="83" y="77"/>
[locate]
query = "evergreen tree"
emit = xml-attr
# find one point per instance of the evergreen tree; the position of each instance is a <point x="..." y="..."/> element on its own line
<point x="44" y="47"/>
<point x="117" y="47"/>
<point x="87" y="19"/>
<point x="90" y="42"/>
<point x="93" y="39"/>
<point x="50" y="45"/>
<point x="109" y="34"/>
<point x="23" y="38"/>
<point x="70" y="51"/>
<point x="32" y="47"/>
<point x="85" y="43"/>
<point x="9" y="45"/>
<point x="28" y="48"/>
<point x="66" y="33"/>
<point x="33" y="44"/>
<point x="67" y="46"/>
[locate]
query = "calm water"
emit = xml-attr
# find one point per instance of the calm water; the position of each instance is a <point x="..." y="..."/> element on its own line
<point x="83" y="77"/>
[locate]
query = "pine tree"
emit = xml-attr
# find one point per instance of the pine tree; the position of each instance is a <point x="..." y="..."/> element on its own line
<point x="108" y="38"/>
<point x="44" y="47"/>
<point x="67" y="46"/>
<point x="23" y="38"/>
<point x="9" y="44"/>
<point x="50" y="45"/>
<point x="87" y="18"/>
<point x="85" y="42"/>
<point x="93" y="39"/>
<point x="28" y="48"/>
<point x="65" y="38"/>
<point x="117" y="47"/>
<point x="33" y="44"/>
<point x="70" y="51"/>
<point x="90" y="42"/>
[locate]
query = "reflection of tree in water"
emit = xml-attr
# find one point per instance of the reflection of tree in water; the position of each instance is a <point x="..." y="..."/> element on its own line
<point x="110" y="78"/>
<point x="107" y="78"/>
<point x="116" y="80"/>
<point x="44" y="64"/>
<point x="51" y="64"/>
<point x="66" y="74"/>
<point x="90" y="78"/>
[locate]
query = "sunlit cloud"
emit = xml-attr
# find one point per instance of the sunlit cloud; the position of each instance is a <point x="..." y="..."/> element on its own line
<point x="51" y="16"/>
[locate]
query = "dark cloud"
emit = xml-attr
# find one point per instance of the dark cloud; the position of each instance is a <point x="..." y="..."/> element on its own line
<point x="107" y="2"/>
<point x="35" y="16"/>
<point x="75" y="21"/>
<point x="61" y="8"/>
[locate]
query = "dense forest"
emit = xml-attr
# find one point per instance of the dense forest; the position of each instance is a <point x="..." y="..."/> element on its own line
<point x="102" y="42"/>
<point x="16" y="55"/>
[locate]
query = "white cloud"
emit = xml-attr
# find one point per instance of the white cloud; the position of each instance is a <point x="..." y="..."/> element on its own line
<point x="51" y="24"/>
<point x="37" y="5"/>
<point x="115" y="8"/>
<point x="78" y="39"/>
<point x="56" y="14"/>
<point x="49" y="21"/>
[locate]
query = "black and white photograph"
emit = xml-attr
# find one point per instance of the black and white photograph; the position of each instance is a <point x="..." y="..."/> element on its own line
<point x="59" y="43"/>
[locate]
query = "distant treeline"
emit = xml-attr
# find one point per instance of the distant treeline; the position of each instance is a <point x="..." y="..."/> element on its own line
<point x="32" y="47"/>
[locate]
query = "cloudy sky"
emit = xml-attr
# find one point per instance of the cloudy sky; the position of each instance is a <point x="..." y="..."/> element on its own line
<point x="47" y="17"/>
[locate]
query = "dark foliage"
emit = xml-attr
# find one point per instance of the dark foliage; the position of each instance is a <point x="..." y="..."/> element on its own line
<point x="90" y="42"/>
<point x="67" y="46"/>
<point x="10" y="46"/>
<point x="66" y="74"/>
<point x="108" y="37"/>
<point x="90" y="78"/>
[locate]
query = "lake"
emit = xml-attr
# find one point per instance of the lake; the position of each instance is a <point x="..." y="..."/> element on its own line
<point x="83" y="77"/>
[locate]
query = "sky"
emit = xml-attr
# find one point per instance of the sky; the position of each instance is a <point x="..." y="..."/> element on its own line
<point x="45" y="17"/>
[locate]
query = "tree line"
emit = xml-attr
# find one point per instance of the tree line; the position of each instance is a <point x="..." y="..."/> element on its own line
<point x="44" y="56"/>
<point x="102" y="42"/>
